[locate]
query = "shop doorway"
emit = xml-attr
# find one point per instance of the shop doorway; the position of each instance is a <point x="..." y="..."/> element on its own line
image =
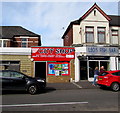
<point x="105" y="64"/>
<point x="93" y="64"/>
<point x="40" y="69"/>
<point x="83" y="70"/>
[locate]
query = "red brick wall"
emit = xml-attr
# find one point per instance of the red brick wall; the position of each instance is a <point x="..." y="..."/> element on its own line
<point x="68" y="39"/>
<point x="31" y="42"/>
<point x="8" y="43"/>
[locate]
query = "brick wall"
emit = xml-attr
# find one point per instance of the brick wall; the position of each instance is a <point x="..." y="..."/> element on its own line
<point x="32" y="41"/>
<point x="26" y="65"/>
<point x="68" y="39"/>
<point x="58" y="79"/>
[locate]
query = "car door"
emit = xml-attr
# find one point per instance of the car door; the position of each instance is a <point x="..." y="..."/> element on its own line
<point x="0" y="80"/>
<point x="5" y="79"/>
<point x="119" y="76"/>
<point x="116" y="77"/>
<point x="18" y="80"/>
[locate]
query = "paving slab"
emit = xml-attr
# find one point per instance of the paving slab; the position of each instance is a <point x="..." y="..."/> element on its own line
<point x="71" y="85"/>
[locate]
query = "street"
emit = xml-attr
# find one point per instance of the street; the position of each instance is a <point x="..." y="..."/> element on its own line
<point x="62" y="100"/>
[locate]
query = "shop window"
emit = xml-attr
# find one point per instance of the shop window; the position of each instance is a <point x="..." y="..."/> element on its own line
<point x="114" y="39"/>
<point x="89" y="34"/>
<point x="118" y="63"/>
<point x="10" y="65"/>
<point x="14" y="62"/>
<point x="92" y="65"/>
<point x="58" y="69"/>
<point x="1" y="73"/>
<point x="101" y="35"/>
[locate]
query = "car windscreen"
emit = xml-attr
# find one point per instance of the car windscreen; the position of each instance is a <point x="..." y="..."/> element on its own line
<point x="103" y="74"/>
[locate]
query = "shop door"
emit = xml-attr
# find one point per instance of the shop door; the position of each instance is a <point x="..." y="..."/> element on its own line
<point x="40" y="69"/>
<point x="92" y="65"/>
<point x="105" y="64"/>
<point x="83" y="70"/>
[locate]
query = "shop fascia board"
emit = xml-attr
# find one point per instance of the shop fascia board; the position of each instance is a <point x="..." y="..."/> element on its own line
<point x="80" y="51"/>
<point x="15" y="51"/>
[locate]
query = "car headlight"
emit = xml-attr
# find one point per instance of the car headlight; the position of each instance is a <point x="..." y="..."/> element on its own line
<point x="39" y="80"/>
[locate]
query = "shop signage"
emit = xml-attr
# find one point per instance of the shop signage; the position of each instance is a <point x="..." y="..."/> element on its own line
<point x="103" y="51"/>
<point x="98" y="58"/>
<point x="53" y="53"/>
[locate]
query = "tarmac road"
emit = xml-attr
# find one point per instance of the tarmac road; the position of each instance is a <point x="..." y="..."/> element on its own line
<point x="62" y="100"/>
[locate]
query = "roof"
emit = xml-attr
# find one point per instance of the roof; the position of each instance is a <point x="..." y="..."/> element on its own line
<point x="113" y="19"/>
<point x="8" y="32"/>
<point x="95" y="6"/>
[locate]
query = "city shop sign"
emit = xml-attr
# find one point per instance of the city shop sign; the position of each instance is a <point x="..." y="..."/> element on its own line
<point x="103" y="51"/>
<point x="53" y="53"/>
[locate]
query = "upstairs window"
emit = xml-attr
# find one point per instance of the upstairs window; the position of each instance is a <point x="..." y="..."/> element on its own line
<point x="24" y="42"/>
<point x="3" y="42"/>
<point x="0" y="43"/>
<point x="101" y="35"/>
<point x="114" y="38"/>
<point x="89" y="34"/>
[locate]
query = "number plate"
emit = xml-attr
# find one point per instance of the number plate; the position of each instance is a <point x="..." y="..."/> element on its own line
<point x="100" y="78"/>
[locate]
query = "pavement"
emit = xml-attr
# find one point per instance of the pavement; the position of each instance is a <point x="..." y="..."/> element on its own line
<point x="71" y="85"/>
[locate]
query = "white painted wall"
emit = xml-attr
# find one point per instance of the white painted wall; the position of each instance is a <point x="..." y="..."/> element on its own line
<point x="115" y="28"/>
<point x="15" y="51"/>
<point x="95" y="25"/>
<point x="98" y="17"/>
<point x="113" y="63"/>
<point x="96" y="21"/>
<point x="76" y="34"/>
<point x="78" y="52"/>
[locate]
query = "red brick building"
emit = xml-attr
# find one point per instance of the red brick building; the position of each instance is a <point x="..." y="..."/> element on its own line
<point x="17" y="36"/>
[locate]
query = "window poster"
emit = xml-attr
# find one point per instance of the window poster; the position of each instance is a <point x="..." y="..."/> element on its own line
<point x="58" y="69"/>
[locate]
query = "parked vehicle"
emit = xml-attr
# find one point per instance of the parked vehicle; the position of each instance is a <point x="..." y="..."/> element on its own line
<point x="13" y="80"/>
<point x="110" y="79"/>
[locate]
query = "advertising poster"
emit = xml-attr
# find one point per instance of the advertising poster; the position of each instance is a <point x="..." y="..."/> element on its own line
<point x="58" y="69"/>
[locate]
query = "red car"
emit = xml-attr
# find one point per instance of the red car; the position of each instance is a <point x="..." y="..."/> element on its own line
<point x="110" y="79"/>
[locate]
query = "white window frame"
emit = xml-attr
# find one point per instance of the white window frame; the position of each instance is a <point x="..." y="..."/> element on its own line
<point x="89" y="30"/>
<point x="112" y="35"/>
<point x="2" y="44"/>
<point x="103" y="31"/>
<point x="24" y="37"/>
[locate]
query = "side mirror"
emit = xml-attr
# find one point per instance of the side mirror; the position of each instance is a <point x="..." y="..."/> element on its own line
<point x="23" y="77"/>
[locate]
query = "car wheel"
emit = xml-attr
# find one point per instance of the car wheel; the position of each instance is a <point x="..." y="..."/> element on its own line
<point x="32" y="89"/>
<point x="115" y="86"/>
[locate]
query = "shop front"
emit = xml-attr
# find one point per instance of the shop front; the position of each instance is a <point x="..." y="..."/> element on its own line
<point x="119" y="60"/>
<point x="87" y="58"/>
<point x="55" y="64"/>
<point x="17" y="59"/>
